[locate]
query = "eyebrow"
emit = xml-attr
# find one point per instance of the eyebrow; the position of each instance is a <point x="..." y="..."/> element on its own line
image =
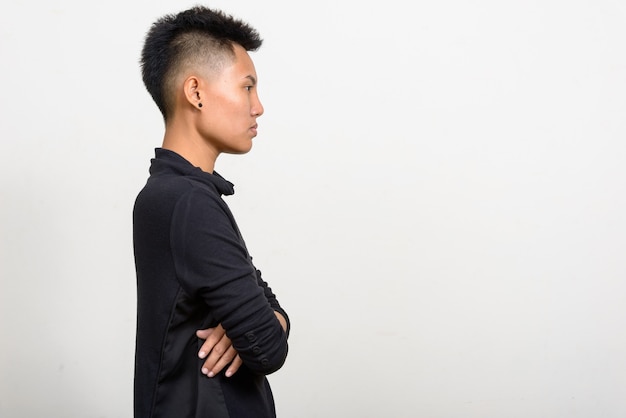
<point x="252" y="79"/>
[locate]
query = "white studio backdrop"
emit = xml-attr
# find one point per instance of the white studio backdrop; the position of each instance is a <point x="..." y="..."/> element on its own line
<point x="436" y="194"/>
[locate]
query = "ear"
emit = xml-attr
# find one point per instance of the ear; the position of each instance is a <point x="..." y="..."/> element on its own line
<point x="193" y="91"/>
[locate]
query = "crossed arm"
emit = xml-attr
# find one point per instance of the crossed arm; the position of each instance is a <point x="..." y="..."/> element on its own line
<point x="219" y="352"/>
<point x="206" y="244"/>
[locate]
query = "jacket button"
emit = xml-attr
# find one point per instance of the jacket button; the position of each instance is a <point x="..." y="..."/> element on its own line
<point x="251" y="337"/>
<point x="256" y="349"/>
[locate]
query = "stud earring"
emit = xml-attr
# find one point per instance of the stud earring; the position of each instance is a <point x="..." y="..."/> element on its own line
<point x="199" y="104"/>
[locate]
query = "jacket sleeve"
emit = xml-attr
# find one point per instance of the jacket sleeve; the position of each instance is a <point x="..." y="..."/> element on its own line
<point x="213" y="264"/>
<point x="271" y="298"/>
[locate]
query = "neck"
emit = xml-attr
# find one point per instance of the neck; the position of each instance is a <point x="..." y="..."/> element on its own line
<point x="187" y="142"/>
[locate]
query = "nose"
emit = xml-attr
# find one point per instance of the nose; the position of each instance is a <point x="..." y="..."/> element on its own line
<point x="257" y="107"/>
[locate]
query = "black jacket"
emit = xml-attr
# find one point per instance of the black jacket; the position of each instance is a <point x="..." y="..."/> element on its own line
<point x="194" y="272"/>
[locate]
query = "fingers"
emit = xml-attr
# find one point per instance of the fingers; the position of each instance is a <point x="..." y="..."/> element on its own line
<point x="212" y="336"/>
<point x="218" y="351"/>
<point x="204" y="333"/>
<point x="234" y="366"/>
<point x="218" y="359"/>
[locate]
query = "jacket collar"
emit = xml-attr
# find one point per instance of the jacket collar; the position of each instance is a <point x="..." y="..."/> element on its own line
<point x="168" y="162"/>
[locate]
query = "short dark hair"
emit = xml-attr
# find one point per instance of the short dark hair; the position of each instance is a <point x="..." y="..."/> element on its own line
<point x="197" y="35"/>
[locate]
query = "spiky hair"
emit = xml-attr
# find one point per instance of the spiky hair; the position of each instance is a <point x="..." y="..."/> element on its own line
<point x="198" y="36"/>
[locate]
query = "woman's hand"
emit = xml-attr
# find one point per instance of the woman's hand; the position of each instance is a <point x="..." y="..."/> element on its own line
<point x="218" y="351"/>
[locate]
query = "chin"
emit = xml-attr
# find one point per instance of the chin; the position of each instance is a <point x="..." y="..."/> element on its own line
<point x="240" y="150"/>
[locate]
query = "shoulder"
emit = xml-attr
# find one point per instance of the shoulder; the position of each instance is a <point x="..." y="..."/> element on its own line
<point x="179" y="199"/>
<point x="172" y="188"/>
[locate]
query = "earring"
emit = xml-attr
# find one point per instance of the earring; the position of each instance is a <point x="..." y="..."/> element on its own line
<point x="199" y="104"/>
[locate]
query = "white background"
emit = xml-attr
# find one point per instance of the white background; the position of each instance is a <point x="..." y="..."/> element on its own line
<point x="436" y="194"/>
